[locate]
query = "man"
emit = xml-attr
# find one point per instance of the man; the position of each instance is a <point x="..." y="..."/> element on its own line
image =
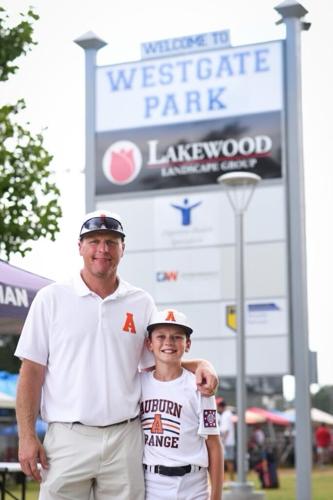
<point x="227" y="432"/>
<point x="81" y="347"/>
<point x="323" y="441"/>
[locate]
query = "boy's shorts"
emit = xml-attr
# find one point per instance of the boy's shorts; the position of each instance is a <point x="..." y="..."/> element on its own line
<point x="193" y="485"/>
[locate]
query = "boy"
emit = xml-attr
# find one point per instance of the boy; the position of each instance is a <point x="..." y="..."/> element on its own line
<point x="181" y="433"/>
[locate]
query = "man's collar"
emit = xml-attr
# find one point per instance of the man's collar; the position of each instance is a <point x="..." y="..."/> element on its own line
<point x="82" y="289"/>
<point x="80" y="286"/>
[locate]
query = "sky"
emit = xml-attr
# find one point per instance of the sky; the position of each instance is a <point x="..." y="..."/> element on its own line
<point x="51" y="80"/>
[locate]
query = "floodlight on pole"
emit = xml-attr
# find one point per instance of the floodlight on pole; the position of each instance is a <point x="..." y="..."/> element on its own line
<point x="239" y="188"/>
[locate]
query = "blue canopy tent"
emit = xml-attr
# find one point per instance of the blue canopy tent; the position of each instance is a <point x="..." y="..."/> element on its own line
<point x="11" y="430"/>
<point x="17" y="290"/>
<point x="8" y="385"/>
<point x="8" y="382"/>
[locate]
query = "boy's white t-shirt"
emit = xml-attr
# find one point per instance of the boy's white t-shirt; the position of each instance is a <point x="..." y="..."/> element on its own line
<point x="176" y="420"/>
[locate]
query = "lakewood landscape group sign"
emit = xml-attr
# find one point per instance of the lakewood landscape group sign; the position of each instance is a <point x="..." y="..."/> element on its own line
<point x="183" y="121"/>
<point x="188" y="154"/>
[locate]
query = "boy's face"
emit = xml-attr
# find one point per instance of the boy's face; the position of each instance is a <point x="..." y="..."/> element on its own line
<point x="168" y="343"/>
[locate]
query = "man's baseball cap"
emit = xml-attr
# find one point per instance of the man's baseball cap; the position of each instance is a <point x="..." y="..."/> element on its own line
<point x="169" y="317"/>
<point x="101" y="220"/>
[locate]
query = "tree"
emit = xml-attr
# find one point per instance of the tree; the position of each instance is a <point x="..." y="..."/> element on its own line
<point x="29" y="200"/>
<point x="323" y="399"/>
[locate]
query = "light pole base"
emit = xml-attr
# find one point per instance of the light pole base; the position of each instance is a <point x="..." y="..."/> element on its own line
<point x="243" y="491"/>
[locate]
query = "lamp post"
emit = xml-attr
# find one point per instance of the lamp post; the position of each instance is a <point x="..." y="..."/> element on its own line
<point x="239" y="188"/>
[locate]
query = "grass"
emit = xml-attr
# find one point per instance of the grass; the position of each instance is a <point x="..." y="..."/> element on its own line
<point x="322" y="486"/>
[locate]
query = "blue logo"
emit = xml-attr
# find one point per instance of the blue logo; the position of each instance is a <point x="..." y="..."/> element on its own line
<point x="264" y="307"/>
<point x="186" y="211"/>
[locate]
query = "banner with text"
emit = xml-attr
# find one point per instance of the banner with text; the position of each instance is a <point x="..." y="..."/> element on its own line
<point x="188" y="154"/>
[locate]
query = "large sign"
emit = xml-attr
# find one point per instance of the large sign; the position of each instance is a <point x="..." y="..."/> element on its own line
<point x="166" y="129"/>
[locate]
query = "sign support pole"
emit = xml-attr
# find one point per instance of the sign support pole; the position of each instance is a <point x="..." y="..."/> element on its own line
<point x="91" y="44"/>
<point x="292" y="13"/>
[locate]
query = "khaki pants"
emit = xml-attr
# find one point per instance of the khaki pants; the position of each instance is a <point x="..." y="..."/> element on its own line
<point x="90" y="462"/>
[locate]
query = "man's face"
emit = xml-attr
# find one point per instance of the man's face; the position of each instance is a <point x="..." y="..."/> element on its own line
<point x="101" y="252"/>
<point x="168" y="343"/>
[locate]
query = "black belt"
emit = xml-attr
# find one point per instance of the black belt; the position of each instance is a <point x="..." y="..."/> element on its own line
<point x="171" y="471"/>
<point x="110" y="425"/>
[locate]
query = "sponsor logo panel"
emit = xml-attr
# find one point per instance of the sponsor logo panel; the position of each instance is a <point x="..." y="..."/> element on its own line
<point x="178" y="280"/>
<point x="187" y="154"/>
<point x="266" y="317"/>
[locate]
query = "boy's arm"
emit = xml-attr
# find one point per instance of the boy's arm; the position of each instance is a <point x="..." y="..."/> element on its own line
<point x="216" y="466"/>
<point x="205" y="375"/>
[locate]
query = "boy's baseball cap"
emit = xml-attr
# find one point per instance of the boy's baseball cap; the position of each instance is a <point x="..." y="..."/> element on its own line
<point x="101" y="220"/>
<point x="169" y="317"/>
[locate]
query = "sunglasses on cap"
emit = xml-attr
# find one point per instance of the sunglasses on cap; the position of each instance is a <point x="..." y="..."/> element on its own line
<point x="101" y="223"/>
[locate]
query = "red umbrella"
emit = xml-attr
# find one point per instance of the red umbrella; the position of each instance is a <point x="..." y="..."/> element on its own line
<point x="251" y="418"/>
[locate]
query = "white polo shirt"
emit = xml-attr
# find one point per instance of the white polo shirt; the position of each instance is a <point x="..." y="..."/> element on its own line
<point x="227" y="425"/>
<point x="92" y="348"/>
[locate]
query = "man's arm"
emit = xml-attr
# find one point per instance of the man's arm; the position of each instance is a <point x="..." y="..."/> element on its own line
<point x="28" y="397"/>
<point x="215" y="467"/>
<point x="205" y="374"/>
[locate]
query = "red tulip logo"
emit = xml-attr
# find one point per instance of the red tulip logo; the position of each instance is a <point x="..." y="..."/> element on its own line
<point x="122" y="162"/>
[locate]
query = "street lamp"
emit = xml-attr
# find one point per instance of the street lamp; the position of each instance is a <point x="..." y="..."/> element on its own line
<point x="239" y="188"/>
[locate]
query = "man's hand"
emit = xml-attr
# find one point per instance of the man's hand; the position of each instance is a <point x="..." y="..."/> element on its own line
<point x="206" y="378"/>
<point x="31" y="452"/>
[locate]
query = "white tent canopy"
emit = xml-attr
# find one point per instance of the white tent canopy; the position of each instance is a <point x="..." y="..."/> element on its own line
<point x="317" y="416"/>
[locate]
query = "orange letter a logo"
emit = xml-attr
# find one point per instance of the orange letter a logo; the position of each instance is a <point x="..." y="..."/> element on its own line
<point x="129" y="325"/>
<point x="157" y="427"/>
<point x="170" y="316"/>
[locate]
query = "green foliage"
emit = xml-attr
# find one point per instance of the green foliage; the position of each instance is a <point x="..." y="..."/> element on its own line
<point x="322" y="484"/>
<point x="15" y="41"/>
<point x="29" y="206"/>
<point x="8" y="361"/>
<point x="323" y="399"/>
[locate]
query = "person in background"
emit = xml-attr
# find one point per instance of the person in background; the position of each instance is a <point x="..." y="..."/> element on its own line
<point x="227" y="433"/>
<point x="182" y="442"/>
<point x="323" y="441"/>
<point x="258" y="436"/>
<point x="81" y="346"/>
